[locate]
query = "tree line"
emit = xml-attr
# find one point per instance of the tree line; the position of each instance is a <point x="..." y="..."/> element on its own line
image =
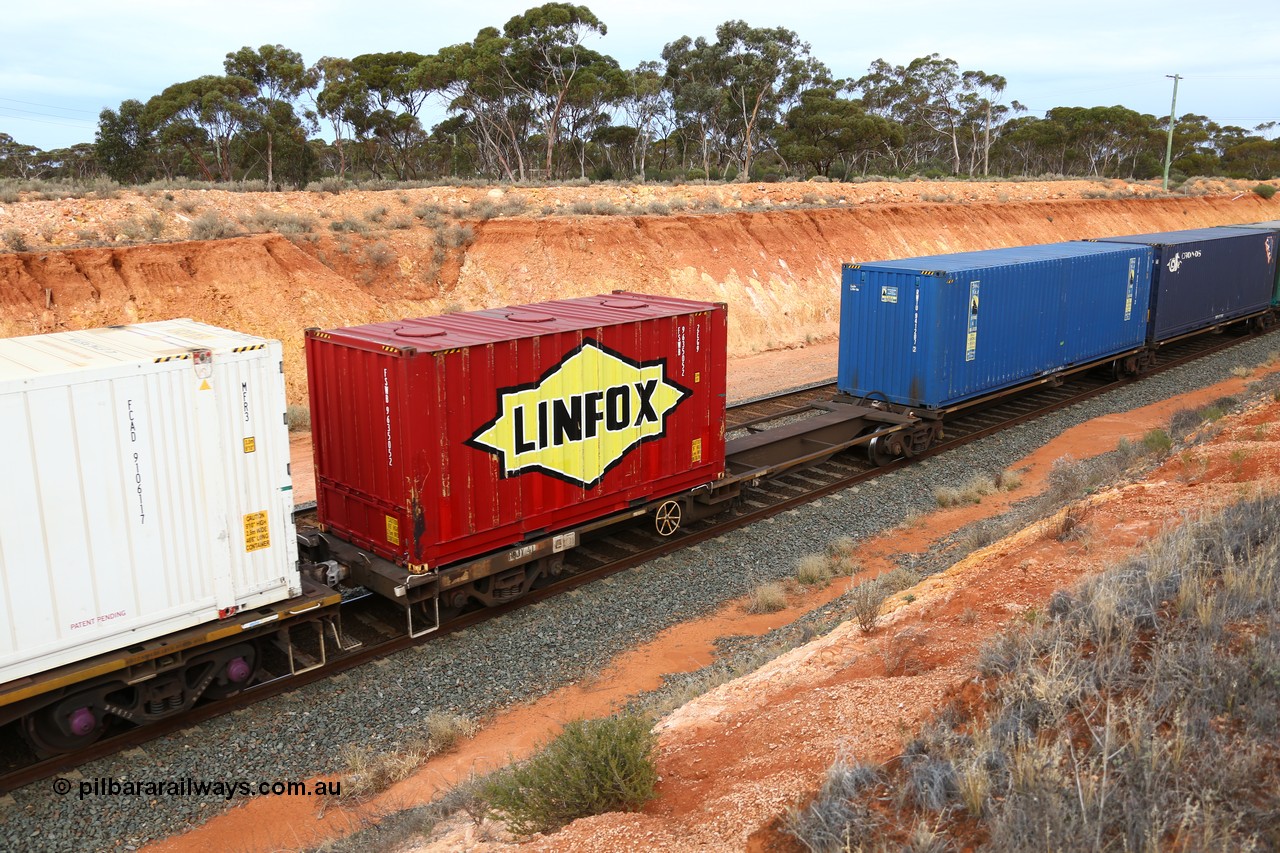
<point x="532" y="101"/>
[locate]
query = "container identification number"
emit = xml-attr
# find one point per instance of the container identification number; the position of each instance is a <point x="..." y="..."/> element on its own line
<point x="137" y="463"/>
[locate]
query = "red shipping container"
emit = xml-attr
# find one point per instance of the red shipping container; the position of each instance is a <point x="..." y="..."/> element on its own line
<point x="443" y="438"/>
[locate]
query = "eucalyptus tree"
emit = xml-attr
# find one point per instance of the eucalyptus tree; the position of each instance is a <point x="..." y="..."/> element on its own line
<point x="19" y="160"/>
<point x="545" y="60"/>
<point x="1254" y="158"/>
<point x="823" y="130"/>
<point x="398" y="89"/>
<point x="477" y="86"/>
<point x="695" y="79"/>
<point x="766" y="69"/>
<point x="646" y="102"/>
<point x="124" y="142"/>
<point x="736" y="88"/>
<point x="923" y="96"/>
<point x="595" y="89"/>
<point x="983" y="113"/>
<point x="936" y="103"/>
<point x="280" y="77"/>
<point x="207" y="110"/>
<point x="343" y="100"/>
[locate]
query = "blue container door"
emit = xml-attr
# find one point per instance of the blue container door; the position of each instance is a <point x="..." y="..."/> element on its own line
<point x="881" y="351"/>
<point x="1105" y="301"/>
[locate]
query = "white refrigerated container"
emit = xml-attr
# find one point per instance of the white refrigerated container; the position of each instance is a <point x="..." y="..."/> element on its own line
<point x="144" y="487"/>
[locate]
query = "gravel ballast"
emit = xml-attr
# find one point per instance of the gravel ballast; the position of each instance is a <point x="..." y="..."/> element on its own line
<point x="523" y="655"/>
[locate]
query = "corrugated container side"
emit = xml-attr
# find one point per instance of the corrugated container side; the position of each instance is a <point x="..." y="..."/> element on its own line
<point x="141" y="497"/>
<point x="1206" y="276"/>
<point x="936" y="331"/>
<point x="1274" y="227"/>
<point x="444" y="438"/>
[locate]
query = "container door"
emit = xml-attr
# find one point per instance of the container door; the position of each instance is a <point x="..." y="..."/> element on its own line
<point x="210" y="394"/>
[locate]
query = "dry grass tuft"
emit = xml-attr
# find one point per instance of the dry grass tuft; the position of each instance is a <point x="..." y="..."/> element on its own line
<point x="767" y="598"/>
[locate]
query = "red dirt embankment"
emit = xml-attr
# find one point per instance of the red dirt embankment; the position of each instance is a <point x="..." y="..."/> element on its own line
<point x="776" y="269"/>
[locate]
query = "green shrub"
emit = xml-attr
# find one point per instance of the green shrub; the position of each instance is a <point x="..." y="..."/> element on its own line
<point x="352" y="225"/>
<point x="1265" y="190"/>
<point x="1158" y="441"/>
<point x="865" y="600"/>
<point x="281" y="223"/>
<point x="430" y="214"/>
<point x="380" y="255"/>
<point x="211" y="226"/>
<point x="590" y="768"/>
<point x="15" y="241"/>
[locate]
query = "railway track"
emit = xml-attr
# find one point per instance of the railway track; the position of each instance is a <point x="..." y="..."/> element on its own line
<point x="373" y="628"/>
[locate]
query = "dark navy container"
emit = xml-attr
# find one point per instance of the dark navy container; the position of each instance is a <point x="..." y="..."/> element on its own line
<point x="1207" y="276"/>
<point x="1273" y="225"/>
<point x="935" y="331"/>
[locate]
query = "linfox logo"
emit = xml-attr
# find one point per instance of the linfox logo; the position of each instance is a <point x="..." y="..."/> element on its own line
<point x="582" y="417"/>
<point x="1175" y="263"/>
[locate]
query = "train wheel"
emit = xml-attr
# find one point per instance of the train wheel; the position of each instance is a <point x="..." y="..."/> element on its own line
<point x="236" y="670"/>
<point x="64" y="726"/>
<point x="880" y="451"/>
<point x="667" y="517"/>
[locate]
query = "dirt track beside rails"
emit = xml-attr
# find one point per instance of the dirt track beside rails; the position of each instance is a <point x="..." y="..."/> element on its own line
<point x="771" y="251"/>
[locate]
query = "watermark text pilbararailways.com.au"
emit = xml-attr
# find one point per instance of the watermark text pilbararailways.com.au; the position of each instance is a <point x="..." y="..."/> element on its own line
<point x="227" y="789"/>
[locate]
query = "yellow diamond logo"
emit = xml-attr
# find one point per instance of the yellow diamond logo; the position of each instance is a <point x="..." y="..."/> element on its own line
<point x="582" y="417"/>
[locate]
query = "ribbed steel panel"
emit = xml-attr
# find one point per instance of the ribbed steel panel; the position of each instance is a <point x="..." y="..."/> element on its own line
<point x="443" y="438"/>
<point x="935" y="331"/>
<point x="1273" y="226"/>
<point x="144" y="492"/>
<point x="1206" y="276"/>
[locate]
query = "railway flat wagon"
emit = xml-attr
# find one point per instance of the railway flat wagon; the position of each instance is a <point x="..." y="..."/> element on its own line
<point x="146" y="490"/>
<point x="444" y="438"/>
<point x="936" y="332"/>
<point x="1207" y="276"/>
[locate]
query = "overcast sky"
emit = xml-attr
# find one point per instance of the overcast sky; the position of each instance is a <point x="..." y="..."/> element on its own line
<point x="65" y="60"/>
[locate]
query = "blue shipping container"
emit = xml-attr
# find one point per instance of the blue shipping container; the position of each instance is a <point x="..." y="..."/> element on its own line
<point x="1273" y="225"/>
<point x="1207" y="276"/>
<point x="935" y="331"/>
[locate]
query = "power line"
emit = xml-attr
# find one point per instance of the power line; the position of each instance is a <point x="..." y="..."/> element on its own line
<point x="42" y="121"/>
<point x="48" y="106"/>
<point x="46" y="115"/>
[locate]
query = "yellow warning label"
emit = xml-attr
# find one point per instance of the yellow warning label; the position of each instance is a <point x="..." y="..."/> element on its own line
<point x="697" y="450"/>
<point x="250" y="445"/>
<point x="257" y="533"/>
<point x="393" y="530"/>
<point x="204" y="385"/>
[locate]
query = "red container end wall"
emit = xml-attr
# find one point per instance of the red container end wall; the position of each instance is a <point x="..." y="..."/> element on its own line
<point x="443" y="438"/>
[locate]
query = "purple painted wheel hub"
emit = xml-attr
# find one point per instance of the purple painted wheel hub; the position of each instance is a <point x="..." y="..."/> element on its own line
<point x="82" y="721"/>
<point x="238" y="671"/>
